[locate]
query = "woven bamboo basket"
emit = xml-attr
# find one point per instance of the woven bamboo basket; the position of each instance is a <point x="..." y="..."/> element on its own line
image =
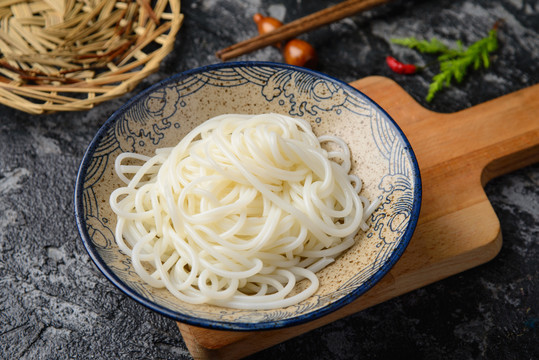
<point x="69" y="55"/>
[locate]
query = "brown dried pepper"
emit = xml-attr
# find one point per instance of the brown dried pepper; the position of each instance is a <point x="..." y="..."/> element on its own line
<point x="300" y="53"/>
<point x="266" y="24"/>
<point x="295" y="52"/>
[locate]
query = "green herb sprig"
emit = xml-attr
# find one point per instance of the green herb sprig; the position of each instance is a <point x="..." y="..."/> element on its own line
<point x="454" y="62"/>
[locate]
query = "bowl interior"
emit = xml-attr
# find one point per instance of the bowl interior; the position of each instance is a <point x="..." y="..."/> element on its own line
<point x="163" y="114"/>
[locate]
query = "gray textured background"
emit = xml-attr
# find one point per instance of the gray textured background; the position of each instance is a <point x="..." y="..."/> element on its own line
<point x="55" y="304"/>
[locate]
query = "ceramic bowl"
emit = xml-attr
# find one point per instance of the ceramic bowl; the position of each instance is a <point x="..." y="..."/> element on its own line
<point x="163" y="114"/>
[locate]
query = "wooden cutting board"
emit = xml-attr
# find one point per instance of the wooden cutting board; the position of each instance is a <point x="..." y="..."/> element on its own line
<point x="457" y="228"/>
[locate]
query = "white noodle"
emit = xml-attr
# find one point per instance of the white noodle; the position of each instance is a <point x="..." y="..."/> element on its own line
<point x="240" y="211"/>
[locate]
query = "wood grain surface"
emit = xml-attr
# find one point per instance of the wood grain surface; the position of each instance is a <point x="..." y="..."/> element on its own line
<point x="457" y="228"/>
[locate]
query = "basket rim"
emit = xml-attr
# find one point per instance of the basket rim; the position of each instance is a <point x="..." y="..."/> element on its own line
<point x="54" y="97"/>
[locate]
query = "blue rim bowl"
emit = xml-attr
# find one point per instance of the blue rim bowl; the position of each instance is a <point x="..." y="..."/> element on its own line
<point x="161" y="114"/>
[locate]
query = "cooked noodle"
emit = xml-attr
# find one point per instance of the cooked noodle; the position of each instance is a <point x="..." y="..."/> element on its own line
<point x="241" y="210"/>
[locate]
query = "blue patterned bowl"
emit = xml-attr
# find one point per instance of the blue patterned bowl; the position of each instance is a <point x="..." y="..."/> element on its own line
<point x="164" y="113"/>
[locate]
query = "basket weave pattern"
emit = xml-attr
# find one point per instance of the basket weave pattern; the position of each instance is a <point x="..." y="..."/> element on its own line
<point x="69" y="55"/>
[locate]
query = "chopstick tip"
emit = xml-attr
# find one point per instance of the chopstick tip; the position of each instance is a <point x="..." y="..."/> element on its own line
<point x="224" y="55"/>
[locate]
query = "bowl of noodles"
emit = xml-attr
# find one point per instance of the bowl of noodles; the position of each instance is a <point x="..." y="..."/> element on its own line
<point x="247" y="196"/>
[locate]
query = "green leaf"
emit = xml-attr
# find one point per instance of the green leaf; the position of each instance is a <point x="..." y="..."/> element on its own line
<point x="454" y="63"/>
<point x="433" y="46"/>
<point x="477" y="63"/>
<point x="486" y="61"/>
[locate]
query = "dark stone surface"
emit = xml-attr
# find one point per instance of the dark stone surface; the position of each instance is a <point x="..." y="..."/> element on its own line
<point x="55" y="304"/>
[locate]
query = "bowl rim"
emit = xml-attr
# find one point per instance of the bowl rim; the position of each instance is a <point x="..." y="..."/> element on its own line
<point x="234" y="325"/>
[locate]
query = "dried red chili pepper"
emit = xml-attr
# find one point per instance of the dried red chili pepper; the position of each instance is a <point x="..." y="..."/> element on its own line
<point x="400" y="68"/>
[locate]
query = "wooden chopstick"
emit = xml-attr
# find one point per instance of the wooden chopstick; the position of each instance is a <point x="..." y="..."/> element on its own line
<point x="299" y="26"/>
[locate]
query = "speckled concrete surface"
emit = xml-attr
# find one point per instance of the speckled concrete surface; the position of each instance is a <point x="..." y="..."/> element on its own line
<point x="55" y="304"/>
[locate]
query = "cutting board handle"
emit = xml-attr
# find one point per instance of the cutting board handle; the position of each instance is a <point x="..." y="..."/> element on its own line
<point x="495" y="137"/>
